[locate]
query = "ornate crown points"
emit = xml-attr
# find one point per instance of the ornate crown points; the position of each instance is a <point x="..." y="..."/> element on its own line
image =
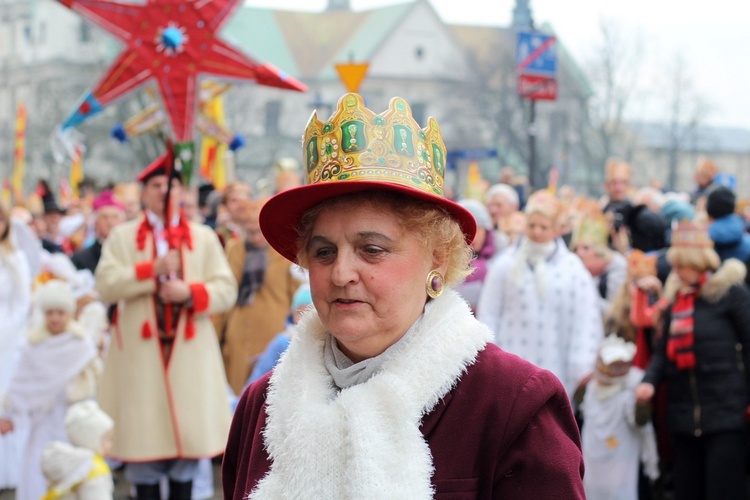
<point x="640" y="264"/>
<point x="356" y="144"/>
<point x="688" y="234"/>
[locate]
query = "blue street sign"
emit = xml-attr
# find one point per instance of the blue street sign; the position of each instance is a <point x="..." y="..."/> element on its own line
<point x="472" y="154"/>
<point x="536" y="54"/>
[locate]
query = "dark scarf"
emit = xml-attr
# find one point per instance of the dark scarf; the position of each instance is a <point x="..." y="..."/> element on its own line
<point x="681" y="335"/>
<point x="253" y="274"/>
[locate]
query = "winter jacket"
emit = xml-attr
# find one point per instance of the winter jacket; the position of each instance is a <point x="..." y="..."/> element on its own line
<point x="448" y="416"/>
<point x="729" y="237"/>
<point x="713" y="396"/>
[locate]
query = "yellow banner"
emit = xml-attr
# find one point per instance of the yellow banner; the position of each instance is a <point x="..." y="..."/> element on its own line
<point x="212" y="149"/>
<point x="7" y="197"/>
<point x="19" y="154"/>
<point x="76" y="171"/>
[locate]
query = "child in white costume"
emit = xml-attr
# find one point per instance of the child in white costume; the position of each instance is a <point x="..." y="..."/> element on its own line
<point x="77" y="471"/>
<point x="58" y="366"/>
<point x="616" y="435"/>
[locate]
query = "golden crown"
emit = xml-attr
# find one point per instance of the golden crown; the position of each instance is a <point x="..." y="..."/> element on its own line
<point x="640" y="264"/>
<point x="592" y="229"/>
<point x="688" y="234"/>
<point x="356" y="144"/>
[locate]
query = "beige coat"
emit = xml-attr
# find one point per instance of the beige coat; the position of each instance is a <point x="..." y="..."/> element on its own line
<point x="247" y="330"/>
<point x="174" y="411"/>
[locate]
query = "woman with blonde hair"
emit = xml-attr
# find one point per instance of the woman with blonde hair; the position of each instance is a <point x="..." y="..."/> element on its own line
<point x="702" y="358"/>
<point x="390" y="387"/>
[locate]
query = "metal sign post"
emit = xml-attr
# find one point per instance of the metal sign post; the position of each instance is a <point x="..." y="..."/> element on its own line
<point x="536" y="68"/>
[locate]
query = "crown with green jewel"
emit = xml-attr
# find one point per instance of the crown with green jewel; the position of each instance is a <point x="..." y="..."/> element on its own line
<point x="356" y="144"/>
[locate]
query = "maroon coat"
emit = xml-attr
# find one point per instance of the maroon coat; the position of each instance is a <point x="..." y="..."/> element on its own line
<point x="505" y="431"/>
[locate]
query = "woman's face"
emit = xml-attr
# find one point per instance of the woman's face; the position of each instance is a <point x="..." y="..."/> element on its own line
<point x="367" y="277"/>
<point x="540" y="228"/>
<point x="688" y="275"/>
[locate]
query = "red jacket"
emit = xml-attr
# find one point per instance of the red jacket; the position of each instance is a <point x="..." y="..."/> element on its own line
<point x="505" y="431"/>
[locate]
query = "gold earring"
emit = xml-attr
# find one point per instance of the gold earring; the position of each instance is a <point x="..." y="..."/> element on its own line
<point x="434" y="284"/>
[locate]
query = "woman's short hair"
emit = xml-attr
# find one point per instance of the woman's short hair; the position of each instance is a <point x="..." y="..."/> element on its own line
<point x="237" y="187"/>
<point x="438" y="232"/>
<point x="701" y="258"/>
<point x="504" y="190"/>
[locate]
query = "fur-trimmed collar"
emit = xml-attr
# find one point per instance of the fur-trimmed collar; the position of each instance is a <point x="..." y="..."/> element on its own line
<point x="364" y="441"/>
<point x="40" y="333"/>
<point x="732" y="272"/>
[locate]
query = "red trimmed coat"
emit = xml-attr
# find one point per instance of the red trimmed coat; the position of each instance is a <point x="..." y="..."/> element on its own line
<point x="505" y="431"/>
<point x="178" y="409"/>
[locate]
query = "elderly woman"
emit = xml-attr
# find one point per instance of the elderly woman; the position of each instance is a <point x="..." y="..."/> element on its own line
<point x="390" y="388"/>
<point x="540" y="302"/>
<point x="702" y="358"/>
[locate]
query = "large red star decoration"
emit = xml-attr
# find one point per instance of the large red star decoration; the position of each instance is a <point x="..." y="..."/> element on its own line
<point x="171" y="42"/>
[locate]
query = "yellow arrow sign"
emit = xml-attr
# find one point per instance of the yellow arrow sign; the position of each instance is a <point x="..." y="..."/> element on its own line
<point x="352" y="74"/>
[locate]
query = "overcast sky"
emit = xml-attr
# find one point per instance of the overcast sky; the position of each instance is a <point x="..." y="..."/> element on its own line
<point x="712" y="37"/>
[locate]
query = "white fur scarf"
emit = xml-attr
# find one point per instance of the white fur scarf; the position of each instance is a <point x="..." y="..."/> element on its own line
<point x="364" y="441"/>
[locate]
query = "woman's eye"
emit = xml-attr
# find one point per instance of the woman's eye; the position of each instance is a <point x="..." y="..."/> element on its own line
<point x="373" y="250"/>
<point x="323" y="252"/>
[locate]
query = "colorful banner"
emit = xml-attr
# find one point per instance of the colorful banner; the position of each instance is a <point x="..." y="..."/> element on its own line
<point x="76" y="171"/>
<point x="476" y="186"/>
<point x="7" y="197"/>
<point x="19" y="154"/>
<point x="66" y="192"/>
<point x="212" y="150"/>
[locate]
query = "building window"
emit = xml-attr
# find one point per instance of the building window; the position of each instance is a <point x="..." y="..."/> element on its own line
<point x="419" y="112"/>
<point x="273" y="114"/>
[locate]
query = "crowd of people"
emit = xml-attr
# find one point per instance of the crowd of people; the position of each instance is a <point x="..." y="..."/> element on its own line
<point x="361" y="321"/>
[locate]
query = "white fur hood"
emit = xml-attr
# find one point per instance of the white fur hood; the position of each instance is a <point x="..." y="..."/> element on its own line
<point x="364" y="441"/>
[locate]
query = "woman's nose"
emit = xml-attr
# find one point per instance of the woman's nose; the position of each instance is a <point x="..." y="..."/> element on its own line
<point x="344" y="269"/>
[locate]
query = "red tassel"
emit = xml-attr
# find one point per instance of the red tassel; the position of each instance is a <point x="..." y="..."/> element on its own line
<point x="143" y="230"/>
<point x="146" y="332"/>
<point x="189" y="327"/>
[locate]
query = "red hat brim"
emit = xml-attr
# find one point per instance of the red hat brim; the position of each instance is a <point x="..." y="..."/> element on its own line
<point x="280" y="215"/>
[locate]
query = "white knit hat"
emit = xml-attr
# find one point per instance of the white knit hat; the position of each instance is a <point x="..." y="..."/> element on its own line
<point x="56" y="294"/>
<point x="86" y="423"/>
<point x="479" y="211"/>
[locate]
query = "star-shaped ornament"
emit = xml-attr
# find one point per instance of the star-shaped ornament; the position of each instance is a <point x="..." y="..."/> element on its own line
<point x="172" y="43"/>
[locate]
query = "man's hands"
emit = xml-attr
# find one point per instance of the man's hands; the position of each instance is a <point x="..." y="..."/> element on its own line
<point x="174" y="291"/>
<point x="167" y="264"/>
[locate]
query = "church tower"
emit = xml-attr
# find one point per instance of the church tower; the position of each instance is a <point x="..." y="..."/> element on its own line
<point x="521" y="15"/>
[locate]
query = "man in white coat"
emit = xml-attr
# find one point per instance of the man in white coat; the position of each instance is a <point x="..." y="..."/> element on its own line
<point x="163" y="382"/>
